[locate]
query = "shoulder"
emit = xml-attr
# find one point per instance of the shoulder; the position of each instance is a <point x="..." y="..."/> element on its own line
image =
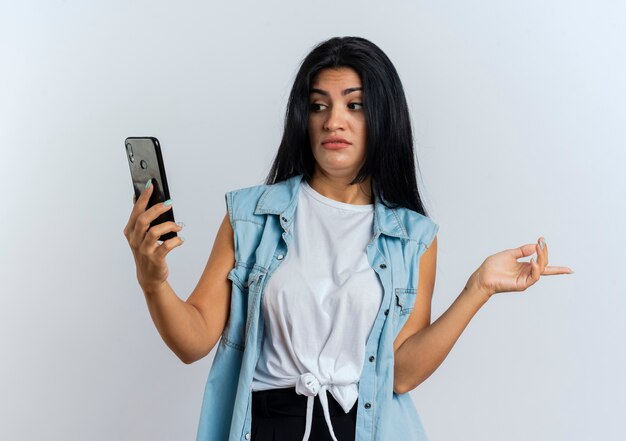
<point x="247" y="195"/>
<point x="254" y="202"/>
<point x="242" y="202"/>
<point x="418" y="227"/>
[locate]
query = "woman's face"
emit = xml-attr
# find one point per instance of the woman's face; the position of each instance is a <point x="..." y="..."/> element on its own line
<point x="337" y="127"/>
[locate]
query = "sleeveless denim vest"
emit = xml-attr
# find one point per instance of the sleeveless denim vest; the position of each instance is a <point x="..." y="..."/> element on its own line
<point x="262" y="219"/>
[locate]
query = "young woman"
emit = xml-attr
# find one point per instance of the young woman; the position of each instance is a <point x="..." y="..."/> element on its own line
<point x="320" y="281"/>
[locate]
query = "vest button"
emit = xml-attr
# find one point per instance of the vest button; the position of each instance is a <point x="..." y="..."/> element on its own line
<point x="383" y="266"/>
<point x="280" y="257"/>
<point x="372" y="358"/>
<point x="247" y="436"/>
<point x="368" y="405"/>
<point x="386" y="312"/>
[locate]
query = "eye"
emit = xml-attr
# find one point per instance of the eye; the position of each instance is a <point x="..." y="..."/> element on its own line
<point x="355" y="106"/>
<point x="316" y="107"/>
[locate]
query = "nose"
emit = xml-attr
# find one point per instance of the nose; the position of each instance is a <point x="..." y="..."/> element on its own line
<point x="335" y="120"/>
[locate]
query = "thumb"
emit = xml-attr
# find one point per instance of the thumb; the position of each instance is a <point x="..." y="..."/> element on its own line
<point x="524" y="250"/>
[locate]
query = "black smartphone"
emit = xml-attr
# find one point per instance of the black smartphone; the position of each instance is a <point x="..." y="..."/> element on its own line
<point x="146" y="162"/>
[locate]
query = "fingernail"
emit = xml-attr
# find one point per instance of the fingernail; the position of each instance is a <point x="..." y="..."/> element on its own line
<point x="180" y="224"/>
<point x="148" y="183"/>
<point x="532" y="259"/>
<point x="542" y="244"/>
<point x="182" y="238"/>
<point x="571" y="272"/>
<point x="168" y="202"/>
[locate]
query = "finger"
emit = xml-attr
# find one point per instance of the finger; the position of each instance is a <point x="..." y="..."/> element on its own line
<point x="535" y="270"/>
<point x="149" y="243"/>
<point x="553" y="270"/>
<point x="524" y="250"/>
<point x="140" y="205"/>
<point x="144" y="197"/>
<point x="168" y="246"/>
<point x="144" y="220"/>
<point x="542" y="253"/>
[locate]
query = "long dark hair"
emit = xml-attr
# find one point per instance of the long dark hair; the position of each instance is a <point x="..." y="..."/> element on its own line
<point x="390" y="160"/>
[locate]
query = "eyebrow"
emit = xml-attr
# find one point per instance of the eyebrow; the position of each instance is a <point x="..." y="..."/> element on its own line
<point x="344" y="92"/>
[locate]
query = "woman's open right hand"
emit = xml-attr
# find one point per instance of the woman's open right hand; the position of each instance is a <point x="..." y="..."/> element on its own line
<point x="501" y="272"/>
<point x="149" y="256"/>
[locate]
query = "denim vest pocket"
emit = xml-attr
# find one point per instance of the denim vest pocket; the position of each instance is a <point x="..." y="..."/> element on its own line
<point x="405" y="300"/>
<point x="234" y="331"/>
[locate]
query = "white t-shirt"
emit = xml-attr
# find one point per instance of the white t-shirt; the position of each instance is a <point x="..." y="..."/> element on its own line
<point x="320" y="304"/>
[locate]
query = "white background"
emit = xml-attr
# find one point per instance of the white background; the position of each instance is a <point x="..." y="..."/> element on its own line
<point x="518" y="111"/>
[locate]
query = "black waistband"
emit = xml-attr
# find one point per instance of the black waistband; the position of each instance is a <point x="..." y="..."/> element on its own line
<point x="286" y="402"/>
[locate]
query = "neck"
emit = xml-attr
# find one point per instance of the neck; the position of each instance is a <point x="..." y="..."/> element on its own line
<point x="339" y="188"/>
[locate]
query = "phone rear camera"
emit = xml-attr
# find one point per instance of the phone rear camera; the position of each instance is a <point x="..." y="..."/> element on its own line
<point x="129" y="150"/>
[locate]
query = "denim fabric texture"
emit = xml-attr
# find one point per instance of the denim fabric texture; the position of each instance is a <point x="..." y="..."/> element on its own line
<point x="262" y="217"/>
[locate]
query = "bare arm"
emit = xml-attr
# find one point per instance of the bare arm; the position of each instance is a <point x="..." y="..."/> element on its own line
<point x="192" y="328"/>
<point x="423" y="352"/>
<point x="421" y="347"/>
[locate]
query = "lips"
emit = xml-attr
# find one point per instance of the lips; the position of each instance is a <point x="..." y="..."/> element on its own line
<point x="335" y="143"/>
